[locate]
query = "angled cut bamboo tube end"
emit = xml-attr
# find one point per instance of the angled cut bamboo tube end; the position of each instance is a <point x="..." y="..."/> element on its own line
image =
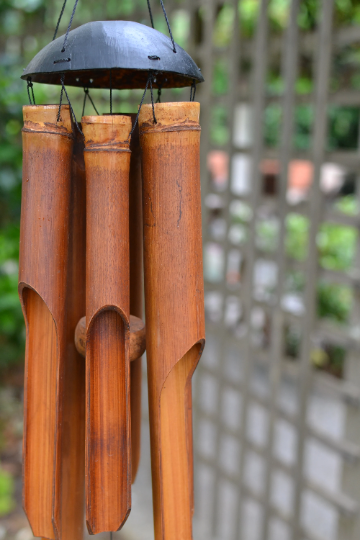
<point x="174" y="303"/>
<point x="108" y="459"/>
<point x="43" y="270"/>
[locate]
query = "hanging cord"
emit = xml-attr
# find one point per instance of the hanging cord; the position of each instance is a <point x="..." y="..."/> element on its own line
<point x="141" y="103"/>
<point x="166" y="19"/>
<point x="59" y="19"/>
<point x="60" y="103"/>
<point x="193" y="91"/>
<point x="150" y="13"/>
<point x="68" y="28"/>
<point x="30" y="91"/>
<point x="168" y="25"/>
<point x="87" y="95"/>
<point x="151" y="77"/>
<point x="110" y="85"/>
<point x="159" y="94"/>
<point x="63" y="90"/>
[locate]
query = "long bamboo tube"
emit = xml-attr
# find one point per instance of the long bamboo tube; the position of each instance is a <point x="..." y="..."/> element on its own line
<point x="70" y="469"/>
<point x="136" y="288"/>
<point x="174" y="303"/>
<point x="51" y="289"/>
<point x="108" y="432"/>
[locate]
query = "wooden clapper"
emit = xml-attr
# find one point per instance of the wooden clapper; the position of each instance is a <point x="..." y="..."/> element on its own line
<point x="108" y="206"/>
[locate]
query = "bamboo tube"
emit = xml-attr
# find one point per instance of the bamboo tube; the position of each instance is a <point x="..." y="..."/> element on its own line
<point x="50" y="284"/>
<point x="136" y="289"/>
<point x="70" y="469"/>
<point x="108" y="456"/>
<point x="174" y="303"/>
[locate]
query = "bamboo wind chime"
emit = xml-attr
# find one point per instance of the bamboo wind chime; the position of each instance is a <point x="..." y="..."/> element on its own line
<point x="102" y="200"/>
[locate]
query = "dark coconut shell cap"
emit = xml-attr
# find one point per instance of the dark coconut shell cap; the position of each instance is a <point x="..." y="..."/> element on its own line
<point x="129" y="49"/>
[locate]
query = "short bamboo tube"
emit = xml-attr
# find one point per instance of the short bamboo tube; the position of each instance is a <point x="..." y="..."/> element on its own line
<point x="51" y="288"/>
<point x="174" y="303"/>
<point x="108" y="436"/>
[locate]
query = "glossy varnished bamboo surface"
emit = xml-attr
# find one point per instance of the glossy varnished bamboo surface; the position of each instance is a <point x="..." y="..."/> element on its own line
<point x="174" y="303"/>
<point x="108" y="436"/>
<point x="51" y="287"/>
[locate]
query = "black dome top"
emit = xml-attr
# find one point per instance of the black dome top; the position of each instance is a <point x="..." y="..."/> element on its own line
<point x="128" y="49"/>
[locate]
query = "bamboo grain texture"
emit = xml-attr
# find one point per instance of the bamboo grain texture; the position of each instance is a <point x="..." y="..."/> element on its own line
<point x="174" y="303"/>
<point x="51" y="289"/>
<point x="108" y="431"/>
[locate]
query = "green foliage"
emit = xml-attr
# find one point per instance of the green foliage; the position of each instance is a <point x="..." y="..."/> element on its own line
<point x="219" y="125"/>
<point x="224" y="26"/>
<point x="333" y="301"/>
<point x="7" y="501"/>
<point x="297" y="227"/>
<point x="220" y="77"/>
<point x="336" y="245"/>
<point x="11" y="320"/>
<point x="343" y="128"/>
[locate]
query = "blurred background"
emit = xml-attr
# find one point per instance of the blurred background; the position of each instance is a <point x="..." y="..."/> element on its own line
<point x="277" y="392"/>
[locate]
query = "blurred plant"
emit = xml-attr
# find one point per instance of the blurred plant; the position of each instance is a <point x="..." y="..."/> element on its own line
<point x="337" y="245"/>
<point x="343" y="128"/>
<point x="333" y="301"/>
<point x="297" y="227"/>
<point x="7" y="501"/>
